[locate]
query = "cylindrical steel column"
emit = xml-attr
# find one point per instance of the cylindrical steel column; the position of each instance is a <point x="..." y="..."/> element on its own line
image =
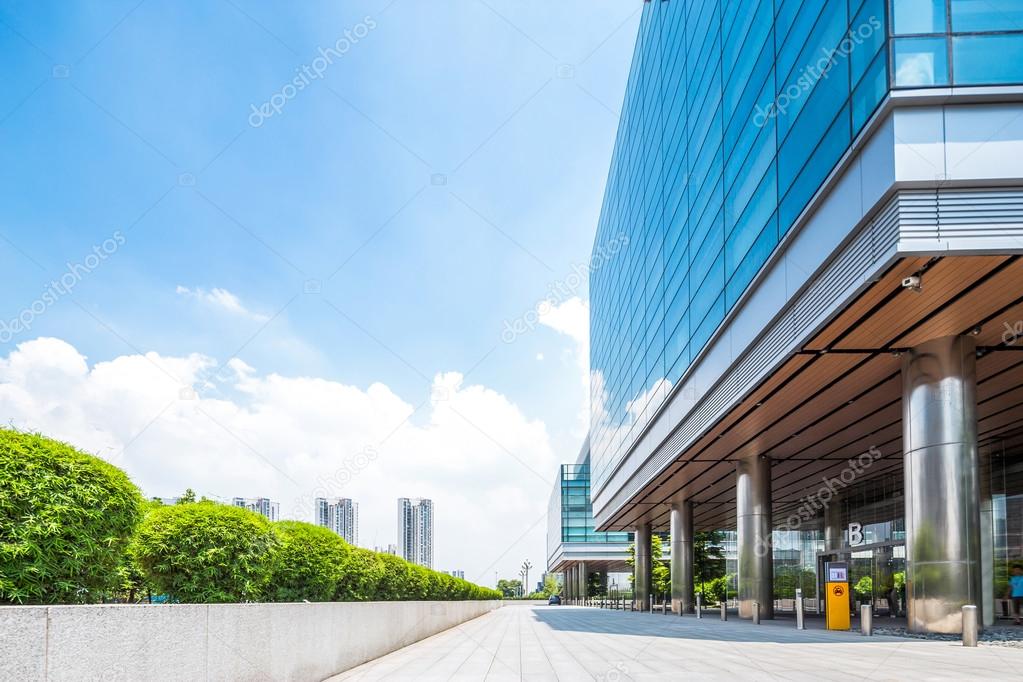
<point x="582" y="582"/>
<point x="833" y="524"/>
<point x="643" y="567"/>
<point x="987" y="544"/>
<point x="939" y="425"/>
<point x="682" y="557"/>
<point x="570" y="584"/>
<point x="753" y="523"/>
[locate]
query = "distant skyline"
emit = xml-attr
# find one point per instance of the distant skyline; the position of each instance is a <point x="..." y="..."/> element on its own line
<point x="311" y="300"/>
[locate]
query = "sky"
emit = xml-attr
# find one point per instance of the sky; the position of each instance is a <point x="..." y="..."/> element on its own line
<point x="307" y="249"/>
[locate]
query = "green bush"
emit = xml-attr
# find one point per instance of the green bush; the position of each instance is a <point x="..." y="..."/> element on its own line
<point x="65" y="520"/>
<point x="361" y="575"/>
<point x="307" y="564"/>
<point x="205" y="552"/>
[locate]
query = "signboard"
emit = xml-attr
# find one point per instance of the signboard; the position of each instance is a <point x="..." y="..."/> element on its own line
<point x="836" y="596"/>
<point x="838" y="572"/>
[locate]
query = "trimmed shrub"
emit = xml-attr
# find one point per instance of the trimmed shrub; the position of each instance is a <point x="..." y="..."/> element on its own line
<point x="65" y="520"/>
<point x="308" y="563"/>
<point x="361" y="575"/>
<point x="205" y="552"/>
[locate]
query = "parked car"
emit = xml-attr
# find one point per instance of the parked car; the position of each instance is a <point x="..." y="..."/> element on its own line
<point x="554" y="600"/>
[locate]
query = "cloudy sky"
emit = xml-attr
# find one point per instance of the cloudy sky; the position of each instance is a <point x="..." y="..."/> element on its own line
<point x="288" y="250"/>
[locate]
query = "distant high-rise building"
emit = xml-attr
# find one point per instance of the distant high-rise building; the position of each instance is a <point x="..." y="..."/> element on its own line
<point x="260" y="505"/>
<point x="456" y="574"/>
<point x="390" y="549"/>
<point x="341" y="515"/>
<point x="415" y="530"/>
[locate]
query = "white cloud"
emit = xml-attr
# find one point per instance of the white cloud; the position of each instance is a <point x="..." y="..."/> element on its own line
<point x="221" y="299"/>
<point x="572" y="318"/>
<point x="466" y="446"/>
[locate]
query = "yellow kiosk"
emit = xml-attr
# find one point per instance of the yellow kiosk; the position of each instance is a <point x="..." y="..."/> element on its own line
<point x="837" y="596"/>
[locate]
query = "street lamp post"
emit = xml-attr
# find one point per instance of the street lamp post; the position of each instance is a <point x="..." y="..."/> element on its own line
<point x="525" y="576"/>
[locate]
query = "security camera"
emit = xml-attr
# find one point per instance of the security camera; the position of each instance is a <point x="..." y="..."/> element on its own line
<point x="913" y="282"/>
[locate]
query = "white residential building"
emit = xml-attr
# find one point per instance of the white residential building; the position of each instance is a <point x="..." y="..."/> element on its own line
<point x="415" y="530"/>
<point x="341" y="515"/>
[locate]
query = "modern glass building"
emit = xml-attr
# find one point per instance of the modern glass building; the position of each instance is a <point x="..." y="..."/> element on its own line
<point x="574" y="548"/>
<point x="823" y="210"/>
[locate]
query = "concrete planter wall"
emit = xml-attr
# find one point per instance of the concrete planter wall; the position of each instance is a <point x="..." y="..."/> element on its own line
<point x="297" y="642"/>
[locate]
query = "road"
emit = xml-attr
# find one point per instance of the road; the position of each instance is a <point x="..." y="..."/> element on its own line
<point x="573" y="643"/>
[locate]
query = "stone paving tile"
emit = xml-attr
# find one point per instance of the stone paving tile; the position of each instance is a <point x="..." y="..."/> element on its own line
<point x="562" y="644"/>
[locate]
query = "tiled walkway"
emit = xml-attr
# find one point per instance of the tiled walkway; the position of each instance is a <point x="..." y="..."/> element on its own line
<point x="572" y="643"/>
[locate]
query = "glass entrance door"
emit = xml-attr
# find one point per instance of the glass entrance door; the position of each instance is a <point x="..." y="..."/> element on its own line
<point x="877" y="576"/>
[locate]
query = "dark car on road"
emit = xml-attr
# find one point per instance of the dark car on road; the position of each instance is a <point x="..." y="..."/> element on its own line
<point x="554" y="600"/>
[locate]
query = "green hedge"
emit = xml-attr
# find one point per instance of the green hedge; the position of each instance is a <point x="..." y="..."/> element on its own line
<point x="74" y="529"/>
<point x="209" y="552"/>
<point x="205" y="552"/>
<point x="308" y="563"/>
<point x="65" y="520"/>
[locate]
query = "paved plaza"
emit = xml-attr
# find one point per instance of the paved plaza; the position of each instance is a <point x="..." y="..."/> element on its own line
<point x="573" y="643"/>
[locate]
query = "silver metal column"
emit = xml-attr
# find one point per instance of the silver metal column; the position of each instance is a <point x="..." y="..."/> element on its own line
<point x="833" y="525"/>
<point x="939" y="424"/>
<point x="644" y="567"/>
<point x="987" y="544"/>
<point x="682" y="557"/>
<point x="582" y="582"/>
<point x="570" y="584"/>
<point x="753" y="522"/>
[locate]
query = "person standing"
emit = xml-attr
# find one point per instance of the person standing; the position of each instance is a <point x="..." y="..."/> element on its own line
<point x="1015" y="592"/>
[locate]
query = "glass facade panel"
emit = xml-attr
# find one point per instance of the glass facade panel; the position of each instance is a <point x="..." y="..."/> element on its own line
<point x="957" y="42"/>
<point x="987" y="15"/>
<point x="974" y="65"/>
<point x="921" y="62"/>
<point x="918" y="16"/>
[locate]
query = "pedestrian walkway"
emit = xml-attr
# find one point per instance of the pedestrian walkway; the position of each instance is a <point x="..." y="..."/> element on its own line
<point x="566" y="643"/>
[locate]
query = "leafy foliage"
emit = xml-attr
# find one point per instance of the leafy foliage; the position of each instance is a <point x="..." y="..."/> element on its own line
<point x="65" y="520"/>
<point x="660" y="572"/>
<point x="73" y="529"/>
<point x="204" y="552"/>
<point x="708" y="557"/>
<point x="307" y="564"/>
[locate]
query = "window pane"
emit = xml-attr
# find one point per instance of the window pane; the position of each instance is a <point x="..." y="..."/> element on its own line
<point x="921" y="61"/>
<point x="918" y="16"/>
<point x="987" y="15"/>
<point x="988" y="59"/>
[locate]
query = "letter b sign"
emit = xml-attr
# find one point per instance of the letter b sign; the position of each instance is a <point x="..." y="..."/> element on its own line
<point x="855" y="534"/>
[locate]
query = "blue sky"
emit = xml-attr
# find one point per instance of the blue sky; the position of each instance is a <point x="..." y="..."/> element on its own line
<point x="377" y="230"/>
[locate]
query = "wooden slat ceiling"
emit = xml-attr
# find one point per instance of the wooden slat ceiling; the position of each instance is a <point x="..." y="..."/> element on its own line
<point x="840" y="394"/>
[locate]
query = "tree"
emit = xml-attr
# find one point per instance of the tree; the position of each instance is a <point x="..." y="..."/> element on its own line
<point x="660" y="582"/>
<point x="187" y="498"/>
<point x="708" y="558"/>
<point x="205" y="552"/>
<point x="65" y="521"/>
<point x="550" y="585"/>
<point x="509" y="588"/>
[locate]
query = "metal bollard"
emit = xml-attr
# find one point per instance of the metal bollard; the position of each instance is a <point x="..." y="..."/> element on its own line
<point x="799" y="610"/>
<point x="969" y="625"/>
<point x="724" y="609"/>
<point x="699" y="606"/>
<point x="756" y="613"/>
<point x="866" y="620"/>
